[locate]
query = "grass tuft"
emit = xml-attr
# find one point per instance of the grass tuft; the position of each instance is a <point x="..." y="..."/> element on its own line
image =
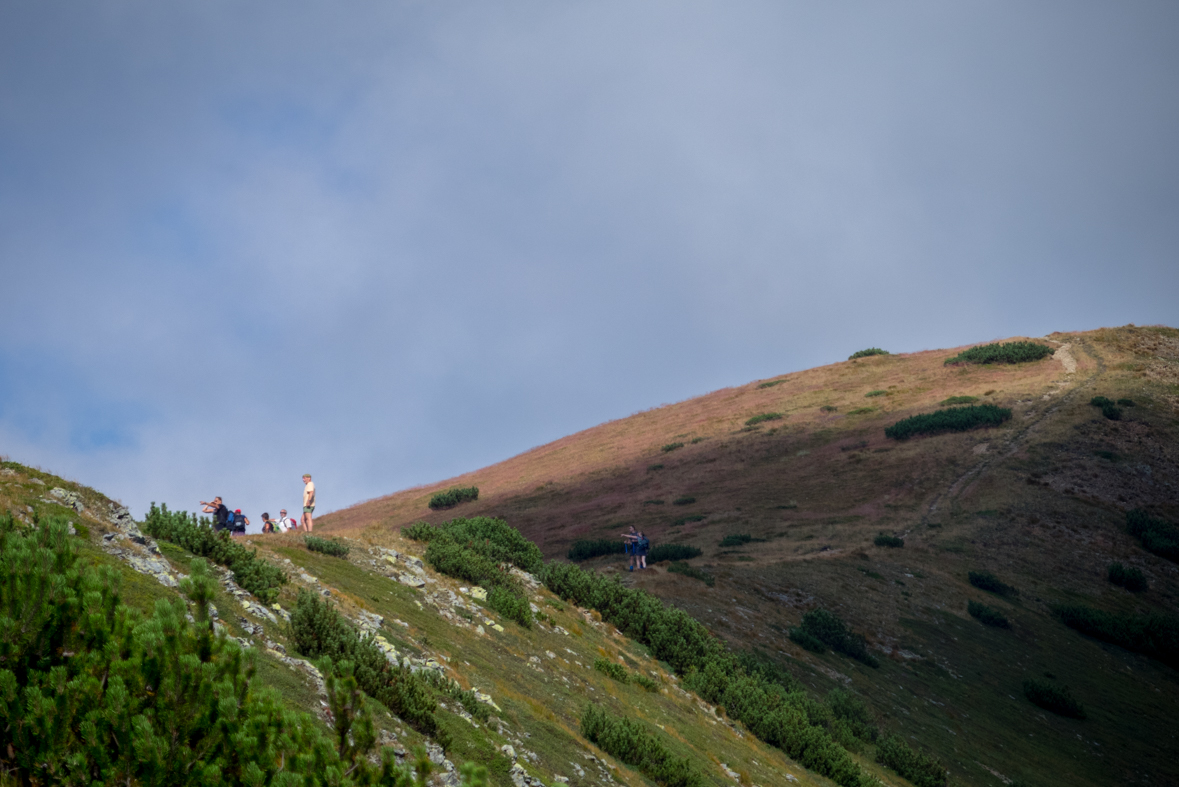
<point x="680" y="567"/>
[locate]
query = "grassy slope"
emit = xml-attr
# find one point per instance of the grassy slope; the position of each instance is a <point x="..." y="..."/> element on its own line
<point x="1039" y="501"/>
<point x="541" y="702"/>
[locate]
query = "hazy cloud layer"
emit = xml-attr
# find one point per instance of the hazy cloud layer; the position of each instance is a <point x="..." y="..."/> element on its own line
<point x="388" y="243"/>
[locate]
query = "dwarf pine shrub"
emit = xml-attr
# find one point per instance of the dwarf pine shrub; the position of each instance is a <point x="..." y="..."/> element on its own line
<point x="673" y="552"/>
<point x="611" y="669"/>
<point x="737" y="540"/>
<point x="1155" y="634"/>
<point x="770" y="383"/>
<point x="1009" y="352"/>
<point x="686" y="500"/>
<point x="586" y="550"/>
<point x="511" y="603"/>
<point x="805" y="639"/>
<point x="878" y="392"/>
<point x="985" y="580"/>
<point x="709" y="669"/>
<point x="1126" y="402"/>
<point x="988" y="615"/>
<point x="757" y="419"/>
<point x="688" y="570"/>
<point x="921" y="769"/>
<point x="686" y="519"/>
<point x="326" y="546"/>
<point x="852" y="711"/>
<point x="867" y="353"/>
<point x="668" y="448"/>
<point x="645" y="683"/>
<point x="832" y="631"/>
<point x="953" y="419"/>
<point x="1053" y="698"/>
<point x="959" y="400"/>
<point x="1131" y="579"/>
<point x="636" y="745"/>
<point x="93" y="691"/>
<point x="198" y="537"/>
<point x="449" y="498"/>
<point x="885" y="540"/>
<point x="1156" y="535"/>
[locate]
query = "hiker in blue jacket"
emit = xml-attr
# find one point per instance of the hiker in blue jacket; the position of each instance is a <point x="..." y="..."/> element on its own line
<point x="642" y="546"/>
<point x="630" y="543"/>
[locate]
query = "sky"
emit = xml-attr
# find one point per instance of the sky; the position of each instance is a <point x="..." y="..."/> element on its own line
<point x="387" y="243"/>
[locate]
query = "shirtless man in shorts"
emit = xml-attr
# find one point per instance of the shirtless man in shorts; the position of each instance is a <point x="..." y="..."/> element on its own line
<point x="308" y="502"/>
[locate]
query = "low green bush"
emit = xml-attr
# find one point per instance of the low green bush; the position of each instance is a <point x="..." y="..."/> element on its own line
<point x="867" y="353"/>
<point x="878" y="392"/>
<point x="493" y="538"/>
<point x="686" y="519"/>
<point x="672" y="552"/>
<point x="1100" y="401"/>
<point x="1155" y="635"/>
<point x="1009" y="352"/>
<point x="1156" y="535"/>
<point x="688" y="570"/>
<point x="449" y="498"/>
<point x="738" y="539"/>
<point x="885" y="540"/>
<point x="645" y="683"/>
<point x="770" y="383"/>
<point x="419" y="531"/>
<point x="959" y="400"/>
<point x="861" y="411"/>
<point x="1126" y="402"/>
<point x="1131" y="579"/>
<point x="988" y="615"/>
<point x="829" y="408"/>
<point x="1053" y="698"/>
<point x="654" y="502"/>
<point x="511" y="603"/>
<point x="671" y="447"/>
<point x="198" y="537"/>
<point x="611" y="669"/>
<point x="953" y="419"/>
<point x="449" y="687"/>
<point x="93" y="691"/>
<point x="985" y="580"/>
<point x="318" y="630"/>
<point x="686" y="500"/>
<point x="326" y="546"/>
<point x="709" y="669"/>
<point x="586" y="550"/>
<point x="653" y="468"/>
<point x="852" y="711"/>
<point x="804" y="639"/>
<point x="757" y="419"/>
<point x="832" y="631"/>
<point x="637" y="746"/>
<point x="923" y="770"/>
<point x="1111" y="412"/>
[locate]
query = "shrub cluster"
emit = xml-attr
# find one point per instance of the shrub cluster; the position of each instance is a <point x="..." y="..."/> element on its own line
<point x="1126" y="402"/>
<point x="326" y="545"/>
<point x="1108" y="408"/>
<point x="738" y="539"/>
<point x="672" y="552"/>
<point x="985" y="580"/>
<point x="959" y="400"/>
<point x="686" y="519"/>
<point x="449" y="498"/>
<point x="1009" y="352"/>
<point x="611" y="669"/>
<point x="1155" y="635"/>
<point x="830" y="630"/>
<point x="806" y="640"/>
<point x="757" y="419"/>
<point x="671" y="447"/>
<point x="988" y="615"/>
<point x="885" y="540"/>
<point x="686" y="500"/>
<point x="866" y="353"/>
<point x="921" y="769"/>
<point x="585" y="550"/>
<point x="94" y="692"/>
<point x="1053" y="698"/>
<point x="1156" y="535"/>
<point x="680" y="567"/>
<point x="480" y="550"/>
<point x="771" y="383"/>
<point x="1131" y="579"/>
<point x="953" y="419"/>
<point x="861" y="411"/>
<point x="851" y="711"/>
<point x="318" y="630"/>
<point x="767" y="708"/>
<point x="878" y="392"/>
<point x="198" y="537"/>
<point x="636" y="745"/>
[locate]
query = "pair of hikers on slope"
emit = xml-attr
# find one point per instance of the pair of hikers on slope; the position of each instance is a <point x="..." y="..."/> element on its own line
<point x="236" y="522"/>
<point x="637" y="547"/>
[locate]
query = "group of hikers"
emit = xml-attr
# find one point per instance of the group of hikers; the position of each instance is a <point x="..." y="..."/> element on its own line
<point x="236" y="522"/>
<point x="637" y="546"/>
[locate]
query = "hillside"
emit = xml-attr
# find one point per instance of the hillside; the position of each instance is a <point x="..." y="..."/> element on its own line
<point x="1040" y="501"/>
<point x="528" y="687"/>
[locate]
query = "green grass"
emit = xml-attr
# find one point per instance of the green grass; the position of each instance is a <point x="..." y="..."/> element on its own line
<point x="829" y="408"/>
<point x="686" y="519"/>
<point x="861" y="411"/>
<point x="954" y="419"/>
<point x="688" y="570"/>
<point x="1009" y="352"/>
<point x="878" y="392"/>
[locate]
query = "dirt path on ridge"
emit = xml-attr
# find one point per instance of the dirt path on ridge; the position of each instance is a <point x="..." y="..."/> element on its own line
<point x="1015" y="442"/>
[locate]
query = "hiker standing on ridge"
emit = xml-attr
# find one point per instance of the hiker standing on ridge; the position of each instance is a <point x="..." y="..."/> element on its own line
<point x="219" y="511"/>
<point x="285" y="523"/>
<point x="630" y="541"/>
<point x="642" y="546"/>
<point x="308" y="502"/>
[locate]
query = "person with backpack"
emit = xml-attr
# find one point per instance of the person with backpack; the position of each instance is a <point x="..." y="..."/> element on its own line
<point x="642" y="546"/>
<point x="238" y="522"/>
<point x="285" y="523"/>
<point x="630" y="544"/>
<point x="219" y="511"/>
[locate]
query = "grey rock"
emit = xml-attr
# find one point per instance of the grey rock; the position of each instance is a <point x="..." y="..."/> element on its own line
<point x="66" y="497"/>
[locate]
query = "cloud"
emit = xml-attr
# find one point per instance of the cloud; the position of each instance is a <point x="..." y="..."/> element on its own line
<point x="390" y="246"/>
